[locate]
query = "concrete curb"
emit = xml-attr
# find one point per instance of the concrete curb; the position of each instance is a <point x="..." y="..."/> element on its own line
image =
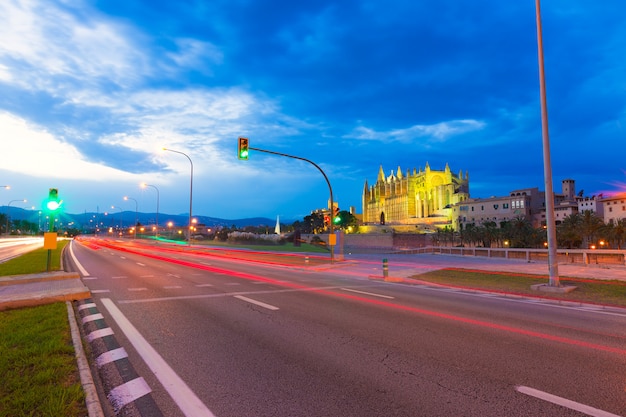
<point x="128" y="394"/>
<point x="94" y="408"/>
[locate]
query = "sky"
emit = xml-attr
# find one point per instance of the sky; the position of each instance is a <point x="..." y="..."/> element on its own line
<point x="91" y="92"/>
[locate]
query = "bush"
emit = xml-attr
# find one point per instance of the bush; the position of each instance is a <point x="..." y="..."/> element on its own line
<point x="253" y="238"/>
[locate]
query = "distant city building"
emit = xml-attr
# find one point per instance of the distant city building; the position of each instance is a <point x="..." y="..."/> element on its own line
<point x="418" y="197"/>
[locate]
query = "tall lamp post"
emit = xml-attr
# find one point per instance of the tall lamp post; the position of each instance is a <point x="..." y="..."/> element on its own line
<point x="8" y="207"/>
<point x="126" y="198"/>
<point x="190" y="191"/>
<point x="120" y="209"/>
<point x="144" y="185"/>
<point x="547" y="167"/>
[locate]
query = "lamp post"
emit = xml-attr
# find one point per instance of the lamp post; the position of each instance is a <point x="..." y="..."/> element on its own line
<point x="126" y="198"/>
<point x="190" y="191"/>
<point x="8" y="207"/>
<point x="144" y="185"/>
<point x="547" y="167"/>
<point x="119" y="208"/>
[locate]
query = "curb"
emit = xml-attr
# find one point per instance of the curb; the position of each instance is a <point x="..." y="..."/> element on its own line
<point x="129" y="395"/>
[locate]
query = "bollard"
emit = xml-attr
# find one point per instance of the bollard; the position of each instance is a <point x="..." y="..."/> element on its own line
<point x="385" y="268"/>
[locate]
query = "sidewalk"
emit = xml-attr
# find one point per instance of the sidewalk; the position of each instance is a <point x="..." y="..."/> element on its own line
<point x="36" y="289"/>
<point x="404" y="266"/>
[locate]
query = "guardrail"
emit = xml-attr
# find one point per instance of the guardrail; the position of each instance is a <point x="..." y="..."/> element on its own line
<point x="570" y="256"/>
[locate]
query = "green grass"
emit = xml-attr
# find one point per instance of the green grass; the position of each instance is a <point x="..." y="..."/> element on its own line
<point x="34" y="262"/>
<point x="37" y="364"/>
<point x="588" y="291"/>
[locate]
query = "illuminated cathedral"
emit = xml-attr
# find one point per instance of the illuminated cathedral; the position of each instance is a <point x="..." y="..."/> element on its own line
<point x="416" y="197"/>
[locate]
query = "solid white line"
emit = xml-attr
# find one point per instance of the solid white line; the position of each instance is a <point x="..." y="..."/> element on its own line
<point x="128" y="392"/>
<point x="368" y="293"/>
<point x="82" y="270"/>
<point x="564" y="402"/>
<point x="187" y="401"/>
<point x="259" y="303"/>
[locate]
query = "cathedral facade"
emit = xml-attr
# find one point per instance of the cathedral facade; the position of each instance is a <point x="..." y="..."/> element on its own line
<point x="414" y="197"/>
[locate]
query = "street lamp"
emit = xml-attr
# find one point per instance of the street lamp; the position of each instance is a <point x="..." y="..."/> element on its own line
<point x="120" y="209"/>
<point x="8" y="207"/>
<point x="190" y="191"/>
<point x="547" y="167"/>
<point x="144" y="185"/>
<point x="126" y="198"/>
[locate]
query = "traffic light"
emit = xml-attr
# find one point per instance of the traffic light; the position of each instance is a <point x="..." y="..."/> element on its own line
<point x="52" y="203"/>
<point x="336" y="216"/>
<point x="242" y="152"/>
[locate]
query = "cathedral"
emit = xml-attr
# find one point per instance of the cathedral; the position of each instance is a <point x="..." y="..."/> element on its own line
<point x="420" y="197"/>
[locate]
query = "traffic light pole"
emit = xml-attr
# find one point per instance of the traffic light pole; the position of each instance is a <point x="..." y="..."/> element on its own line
<point x="330" y="188"/>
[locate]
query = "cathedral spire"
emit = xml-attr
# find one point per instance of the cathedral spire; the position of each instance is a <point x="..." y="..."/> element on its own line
<point x="381" y="175"/>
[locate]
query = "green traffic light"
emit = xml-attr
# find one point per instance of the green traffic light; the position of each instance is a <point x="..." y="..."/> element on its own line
<point x="53" y="205"/>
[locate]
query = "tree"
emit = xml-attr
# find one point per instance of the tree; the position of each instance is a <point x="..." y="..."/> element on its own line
<point x="569" y="232"/>
<point x="591" y="226"/>
<point x="345" y="220"/>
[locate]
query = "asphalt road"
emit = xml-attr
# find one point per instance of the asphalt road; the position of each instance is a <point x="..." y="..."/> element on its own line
<point x="13" y="247"/>
<point x="251" y="339"/>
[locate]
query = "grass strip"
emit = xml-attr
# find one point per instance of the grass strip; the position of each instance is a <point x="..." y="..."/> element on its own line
<point x="588" y="291"/>
<point x="34" y="262"/>
<point x="37" y="364"/>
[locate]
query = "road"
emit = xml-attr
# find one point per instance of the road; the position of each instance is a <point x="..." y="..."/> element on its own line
<point x="13" y="247"/>
<point x="264" y="339"/>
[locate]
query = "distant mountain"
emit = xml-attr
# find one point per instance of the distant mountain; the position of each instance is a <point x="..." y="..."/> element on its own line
<point x="127" y="218"/>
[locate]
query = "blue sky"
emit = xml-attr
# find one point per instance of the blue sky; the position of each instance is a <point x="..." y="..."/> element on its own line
<point x="90" y="91"/>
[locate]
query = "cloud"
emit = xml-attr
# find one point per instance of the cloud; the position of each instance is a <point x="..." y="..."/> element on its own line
<point x="438" y="132"/>
<point x="35" y="152"/>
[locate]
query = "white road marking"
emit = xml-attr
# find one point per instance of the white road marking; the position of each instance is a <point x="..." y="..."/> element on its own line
<point x="86" y="306"/>
<point x="92" y="317"/>
<point x="97" y="334"/>
<point x="259" y="303"/>
<point x="564" y="402"/>
<point x="119" y="277"/>
<point x="228" y="294"/>
<point x="368" y="293"/>
<point x="89" y="278"/>
<point x="111" y="356"/>
<point x="204" y="285"/>
<point x="82" y="270"/>
<point x="122" y="257"/>
<point x="172" y="287"/>
<point x="99" y="291"/>
<point x="187" y="401"/>
<point x="127" y="393"/>
<point x="140" y="264"/>
<point x="138" y="289"/>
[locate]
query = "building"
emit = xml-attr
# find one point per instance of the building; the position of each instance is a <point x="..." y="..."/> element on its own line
<point x="528" y="203"/>
<point x="418" y="197"/>
<point x="613" y="208"/>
